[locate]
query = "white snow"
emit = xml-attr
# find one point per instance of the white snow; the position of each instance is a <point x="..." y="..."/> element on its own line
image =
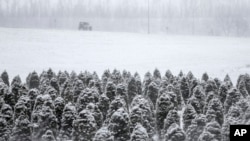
<point x="25" y="50"/>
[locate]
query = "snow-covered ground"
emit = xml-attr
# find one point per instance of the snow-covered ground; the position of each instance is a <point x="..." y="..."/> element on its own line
<point x="25" y="50"/>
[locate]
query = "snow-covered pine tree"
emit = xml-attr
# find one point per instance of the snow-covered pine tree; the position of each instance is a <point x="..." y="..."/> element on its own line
<point x="198" y="99"/>
<point x="212" y="132"/>
<point x="233" y="97"/>
<point x="188" y="115"/>
<point x="68" y="116"/>
<point x="152" y="92"/>
<point x="171" y="118"/>
<point x="196" y="128"/>
<point x="215" y="111"/>
<point x="110" y="90"/>
<point x="84" y="126"/>
<point x="139" y="134"/>
<point x="94" y="109"/>
<point x="87" y="96"/>
<point x="33" y="80"/>
<point x="163" y="106"/>
<point x="59" y="106"/>
<point x="184" y="89"/>
<point x="205" y="77"/>
<point x="103" y="134"/>
<point x="5" y="78"/>
<point x="103" y="105"/>
<point x="22" y="129"/>
<point x="119" y="125"/>
<point x="175" y="133"/>
<point x="132" y="89"/>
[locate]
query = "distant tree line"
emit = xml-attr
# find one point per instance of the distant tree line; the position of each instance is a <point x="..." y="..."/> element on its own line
<point x="119" y="106"/>
<point x="220" y="17"/>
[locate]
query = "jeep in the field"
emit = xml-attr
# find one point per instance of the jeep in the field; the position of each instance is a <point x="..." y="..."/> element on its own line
<point x="84" y="26"/>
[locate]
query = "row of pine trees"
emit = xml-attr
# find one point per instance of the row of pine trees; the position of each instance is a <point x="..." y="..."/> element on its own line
<point x="120" y="106"/>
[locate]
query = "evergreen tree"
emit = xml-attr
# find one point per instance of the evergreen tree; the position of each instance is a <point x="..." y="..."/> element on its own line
<point x="175" y="133"/>
<point x="157" y="75"/>
<point x="215" y="111"/>
<point x="223" y="90"/>
<point x="184" y="89"/>
<point x="242" y="89"/>
<point x="48" y="136"/>
<point x="116" y="76"/>
<point x="59" y="106"/>
<point x="94" y="109"/>
<point x="228" y="80"/>
<point x="212" y="132"/>
<point x="68" y="116"/>
<point x="54" y="83"/>
<point x="33" y="80"/>
<point x="105" y="76"/>
<point x="87" y="96"/>
<point x="6" y="112"/>
<point x="84" y="127"/>
<point x="4" y="132"/>
<point x="247" y="82"/>
<point x="121" y="91"/>
<point x="138" y="83"/>
<point x="169" y="75"/>
<point x="152" y="92"/>
<point x="188" y="115"/>
<point x="103" y="105"/>
<point x="163" y="106"/>
<point x="22" y="129"/>
<point x="198" y="99"/>
<point x="147" y="80"/>
<point x="78" y="88"/>
<point x="196" y="128"/>
<point x="210" y="86"/>
<point x="233" y="97"/>
<point x="46" y="120"/>
<point x="139" y="133"/>
<point x="171" y="118"/>
<point x="5" y="78"/>
<point x="103" y="134"/>
<point x="50" y="74"/>
<point x="132" y="89"/>
<point x="117" y="103"/>
<point x="119" y="125"/>
<point x="110" y="90"/>
<point x="205" y="77"/>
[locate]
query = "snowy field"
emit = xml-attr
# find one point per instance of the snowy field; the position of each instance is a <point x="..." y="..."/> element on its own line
<point x="26" y="50"/>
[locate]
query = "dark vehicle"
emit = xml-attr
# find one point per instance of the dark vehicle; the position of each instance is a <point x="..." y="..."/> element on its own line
<point x="84" y="26"/>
